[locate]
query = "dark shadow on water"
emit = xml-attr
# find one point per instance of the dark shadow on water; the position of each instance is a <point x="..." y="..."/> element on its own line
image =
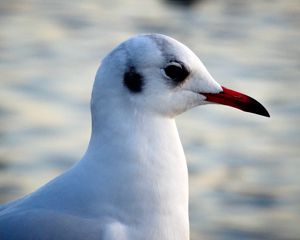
<point x="250" y="199"/>
<point x="183" y="3"/>
<point x="3" y="165"/>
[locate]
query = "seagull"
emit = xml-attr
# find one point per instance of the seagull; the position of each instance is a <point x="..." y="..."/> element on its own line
<point x="132" y="182"/>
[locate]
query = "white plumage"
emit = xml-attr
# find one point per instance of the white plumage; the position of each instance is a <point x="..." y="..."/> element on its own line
<point x="132" y="182"/>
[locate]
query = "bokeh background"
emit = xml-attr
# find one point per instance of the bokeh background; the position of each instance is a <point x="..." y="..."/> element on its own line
<point x="244" y="169"/>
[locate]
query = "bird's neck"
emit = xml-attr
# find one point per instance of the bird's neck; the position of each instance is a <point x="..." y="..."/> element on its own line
<point x="144" y="143"/>
<point x="140" y="167"/>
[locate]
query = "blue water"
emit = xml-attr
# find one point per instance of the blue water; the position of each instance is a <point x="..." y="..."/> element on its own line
<point x="244" y="169"/>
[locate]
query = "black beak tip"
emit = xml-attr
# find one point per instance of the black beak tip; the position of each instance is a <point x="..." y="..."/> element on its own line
<point x="264" y="113"/>
<point x="257" y="108"/>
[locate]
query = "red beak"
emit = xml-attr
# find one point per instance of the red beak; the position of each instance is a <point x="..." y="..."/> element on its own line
<point x="237" y="100"/>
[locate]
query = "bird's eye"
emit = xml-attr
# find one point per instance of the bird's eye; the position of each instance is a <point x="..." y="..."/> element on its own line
<point x="176" y="71"/>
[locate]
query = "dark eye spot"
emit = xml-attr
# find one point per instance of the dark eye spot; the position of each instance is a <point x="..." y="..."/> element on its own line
<point x="133" y="80"/>
<point x="176" y="71"/>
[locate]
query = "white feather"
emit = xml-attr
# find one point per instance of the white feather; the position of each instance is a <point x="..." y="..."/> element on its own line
<point x="132" y="182"/>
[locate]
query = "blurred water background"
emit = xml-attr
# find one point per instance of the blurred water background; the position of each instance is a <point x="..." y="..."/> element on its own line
<point x="244" y="169"/>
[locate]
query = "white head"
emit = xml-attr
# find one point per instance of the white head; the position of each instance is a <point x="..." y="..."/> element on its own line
<point x="155" y="73"/>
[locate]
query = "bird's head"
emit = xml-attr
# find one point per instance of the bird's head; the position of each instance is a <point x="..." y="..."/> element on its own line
<point x="157" y="74"/>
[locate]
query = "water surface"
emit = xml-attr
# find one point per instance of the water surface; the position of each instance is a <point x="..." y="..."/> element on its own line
<point x="244" y="169"/>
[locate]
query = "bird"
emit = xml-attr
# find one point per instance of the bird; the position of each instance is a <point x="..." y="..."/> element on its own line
<point x="132" y="181"/>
